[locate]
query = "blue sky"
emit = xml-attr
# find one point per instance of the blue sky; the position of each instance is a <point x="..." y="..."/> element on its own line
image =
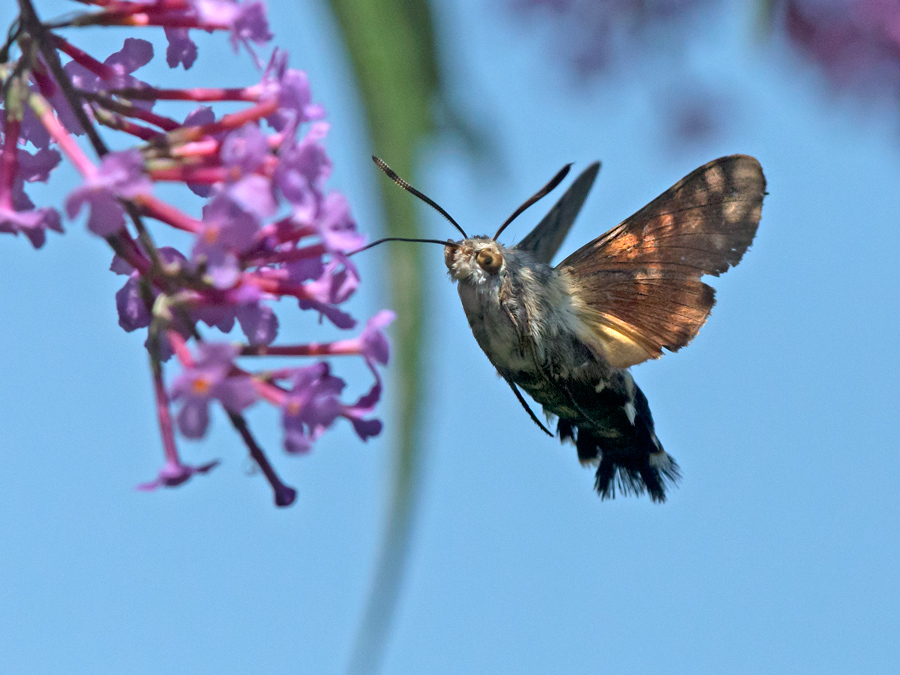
<point x="776" y="554"/>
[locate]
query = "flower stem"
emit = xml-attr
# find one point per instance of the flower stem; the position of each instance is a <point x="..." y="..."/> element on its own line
<point x="284" y="494"/>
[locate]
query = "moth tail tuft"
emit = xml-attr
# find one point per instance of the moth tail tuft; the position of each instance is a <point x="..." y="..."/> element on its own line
<point x="633" y="469"/>
<point x="633" y="475"/>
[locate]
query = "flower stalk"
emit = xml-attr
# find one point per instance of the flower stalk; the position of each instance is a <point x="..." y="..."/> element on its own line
<point x="267" y="228"/>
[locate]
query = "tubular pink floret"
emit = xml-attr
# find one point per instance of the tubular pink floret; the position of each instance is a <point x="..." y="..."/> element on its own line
<point x="269" y="392"/>
<point x="164" y="415"/>
<point x="145" y="18"/>
<point x="119" y="123"/>
<point x="228" y="122"/>
<point x="9" y="159"/>
<point x="161" y="121"/>
<point x="44" y="112"/>
<point x="277" y="286"/>
<point x="201" y="175"/>
<point x="132" y="254"/>
<point x="104" y="3"/>
<point x="293" y="255"/>
<point x="203" y="148"/>
<point x="209" y="175"/>
<point x="179" y="346"/>
<point x="290" y="236"/>
<point x="165" y="212"/>
<point x="199" y="94"/>
<point x="46" y="84"/>
<point x="339" y="348"/>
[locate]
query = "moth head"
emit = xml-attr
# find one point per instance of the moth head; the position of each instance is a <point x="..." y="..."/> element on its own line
<point x="477" y="259"/>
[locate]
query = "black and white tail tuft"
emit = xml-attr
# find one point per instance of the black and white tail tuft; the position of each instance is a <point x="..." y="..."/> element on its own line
<point x="629" y="457"/>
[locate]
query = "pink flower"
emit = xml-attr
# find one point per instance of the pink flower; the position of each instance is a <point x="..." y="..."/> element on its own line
<point x="120" y="176"/>
<point x="246" y="21"/>
<point x="209" y="378"/>
<point x="291" y="88"/>
<point x="174" y="474"/>
<point x="227" y="232"/>
<point x="33" y="223"/>
<point x="181" y="49"/>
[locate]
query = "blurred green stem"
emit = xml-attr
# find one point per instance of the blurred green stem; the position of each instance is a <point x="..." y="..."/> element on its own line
<point x="391" y="45"/>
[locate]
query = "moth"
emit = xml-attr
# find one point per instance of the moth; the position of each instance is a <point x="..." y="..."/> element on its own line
<point x="568" y="334"/>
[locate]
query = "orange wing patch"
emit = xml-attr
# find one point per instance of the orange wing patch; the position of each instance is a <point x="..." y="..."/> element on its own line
<point x="637" y="288"/>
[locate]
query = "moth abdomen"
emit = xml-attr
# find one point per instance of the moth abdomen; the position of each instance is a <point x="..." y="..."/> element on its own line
<point x="615" y="432"/>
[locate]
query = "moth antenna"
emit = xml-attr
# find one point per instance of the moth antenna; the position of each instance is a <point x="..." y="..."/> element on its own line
<point x="420" y="241"/>
<point x="540" y="194"/>
<point x="409" y="188"/>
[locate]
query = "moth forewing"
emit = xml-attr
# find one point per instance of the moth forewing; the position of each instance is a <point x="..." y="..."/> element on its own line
<point x="638" y="285"/>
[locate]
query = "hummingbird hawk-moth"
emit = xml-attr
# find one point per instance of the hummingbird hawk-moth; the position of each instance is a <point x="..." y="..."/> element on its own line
<point x="568" y="334"/>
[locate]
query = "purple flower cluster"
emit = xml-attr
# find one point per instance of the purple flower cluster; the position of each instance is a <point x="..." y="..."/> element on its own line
<point x="597" y="36"/>
<point x="312" y="404"/>
<point x="855" y="42"/>
<point x="268" y="227"/>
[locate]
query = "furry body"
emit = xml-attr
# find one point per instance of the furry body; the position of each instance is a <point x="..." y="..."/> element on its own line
<point x="524" y="320"/>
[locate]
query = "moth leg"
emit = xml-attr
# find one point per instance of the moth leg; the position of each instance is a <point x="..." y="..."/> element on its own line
<point x="512" y="385"/>
<point x="587" y="447"/>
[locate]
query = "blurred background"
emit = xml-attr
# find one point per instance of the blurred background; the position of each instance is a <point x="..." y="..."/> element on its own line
<point x="463" y="539"/>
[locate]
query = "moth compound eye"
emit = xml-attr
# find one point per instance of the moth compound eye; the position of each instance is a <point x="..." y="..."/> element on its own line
<point x="489" y="261"/>
<point x="449" y="255"/>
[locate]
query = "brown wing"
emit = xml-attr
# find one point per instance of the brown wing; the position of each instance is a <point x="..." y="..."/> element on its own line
<point x="637" y="288"/>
